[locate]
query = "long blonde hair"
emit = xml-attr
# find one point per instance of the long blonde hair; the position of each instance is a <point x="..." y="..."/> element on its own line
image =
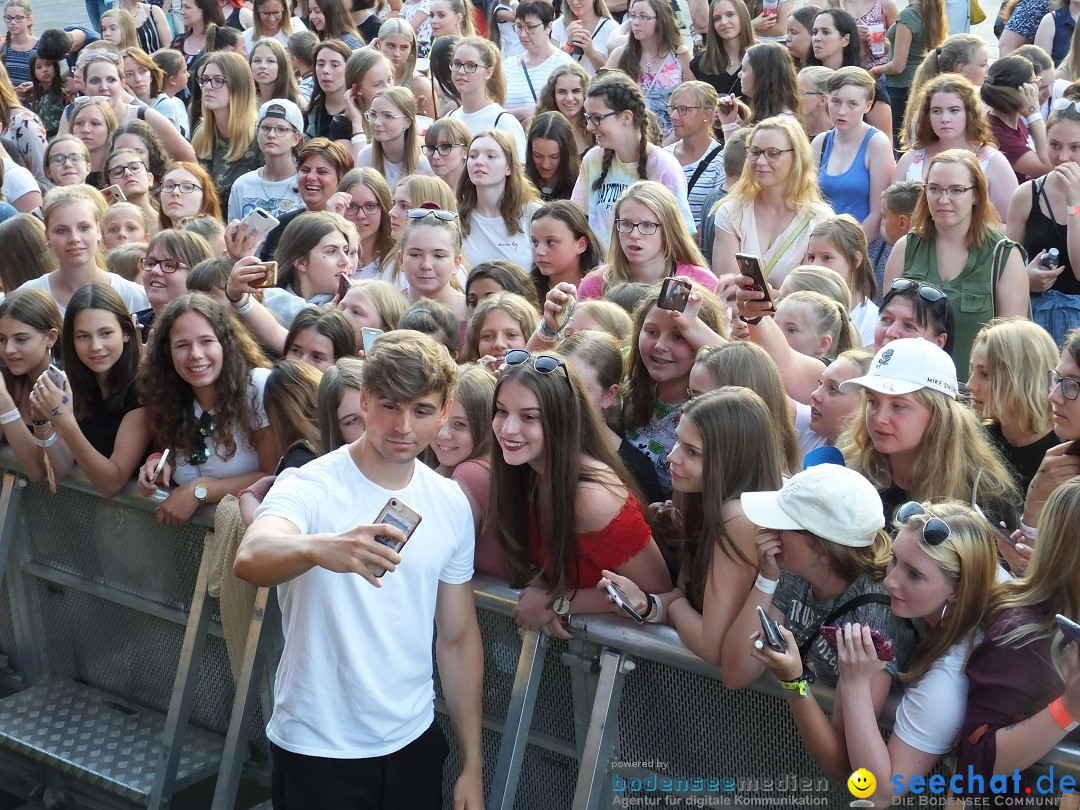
<point x="679" y="247"/>
<point x="1018" y="354"/>
<point x="802" y="189"/>
<point x="405" y="101"/>
<point x="242" y="110"/>
<point x="518" y="190"/>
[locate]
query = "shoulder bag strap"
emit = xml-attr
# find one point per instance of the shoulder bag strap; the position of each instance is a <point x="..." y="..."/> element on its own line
<point x="787" y="243"/>
<point x="527" y="77"/>
<point x="846" y="607"/>
<point x="703" y="164"/>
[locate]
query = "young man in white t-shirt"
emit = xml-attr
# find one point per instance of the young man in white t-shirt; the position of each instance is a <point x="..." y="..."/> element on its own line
<point x="353" y="722"/>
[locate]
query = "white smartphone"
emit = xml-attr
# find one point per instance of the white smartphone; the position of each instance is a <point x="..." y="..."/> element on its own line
<point x="260" y="220"/>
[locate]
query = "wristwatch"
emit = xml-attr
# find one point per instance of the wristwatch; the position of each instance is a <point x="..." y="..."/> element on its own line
<point x="201" y="493"/>
<point x="561" y="606"/>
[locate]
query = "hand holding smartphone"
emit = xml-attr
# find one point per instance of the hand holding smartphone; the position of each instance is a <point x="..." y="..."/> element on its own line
<point x="623" y="602"/>
<point x="674" y="294"/>
<point x="882" y="646"/>
<point x="57" y="375"/>
<point x="400" y="515"/>
<point x="750" y="266"/>
<point x="269" y="278"/>
<point x="770" y="631"/>
<point x="1069" y="628"/>
<point x="260" y="221"/>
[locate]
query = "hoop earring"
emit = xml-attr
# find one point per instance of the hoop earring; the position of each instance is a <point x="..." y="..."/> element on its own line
<point x="944" y="610"/>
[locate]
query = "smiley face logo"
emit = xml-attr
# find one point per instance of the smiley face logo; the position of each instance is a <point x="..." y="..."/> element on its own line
<point x="862" y="783"/>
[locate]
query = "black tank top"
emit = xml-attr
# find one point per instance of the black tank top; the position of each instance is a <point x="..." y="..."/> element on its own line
<point x="1042" y="233"/>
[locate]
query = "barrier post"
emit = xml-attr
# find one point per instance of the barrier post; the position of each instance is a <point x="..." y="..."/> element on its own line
<point x="603" y="730"/>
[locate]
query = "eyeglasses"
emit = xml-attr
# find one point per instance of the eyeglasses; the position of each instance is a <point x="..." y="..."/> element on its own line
<point x="442" y="148"/>
<point x="1070" y="386"/>
<point x="935" y="531"/>
<point x="75" y="159"/>
<point x="926" y="291"/>
<point x="438" y="213"/>
<point x="215" y="82"/>
<point x="183" y="188"/>
<point x="954" y="192"/>
<point x="370" y="207"/>
<point x="772" y="154"/>
<point x="116" y="172"/>
<point x="207" y="425"/>
<point x="640" y="18"/>
<point x="1060" y="104"/>
<point x="270" y="15"/>
<point x="282" y="131"/>
<point x="386" y="117"/>
<point x="464" y="67"/>
<point x="595" y="120"/>
<point x="644" y="228"/>
<point x="682" y="110"/>
<point x="522" y="28"/>
<point x="18" y="18"/>
<point x="543" y="363"/>
<point x="166" y="265"/>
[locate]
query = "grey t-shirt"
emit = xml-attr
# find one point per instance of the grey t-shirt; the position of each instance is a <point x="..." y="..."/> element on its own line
<point x="804" y="615"/>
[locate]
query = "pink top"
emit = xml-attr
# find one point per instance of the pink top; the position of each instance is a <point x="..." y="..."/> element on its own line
<point x="592" y="285"/>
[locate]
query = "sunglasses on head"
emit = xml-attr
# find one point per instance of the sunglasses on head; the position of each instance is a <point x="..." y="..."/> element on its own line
<point x="543" y="363"/>
<point x="935" y="531"/>
<point x="926" y="291"/>
<point x="438" y="213"/>
<point x="206" y="426"/>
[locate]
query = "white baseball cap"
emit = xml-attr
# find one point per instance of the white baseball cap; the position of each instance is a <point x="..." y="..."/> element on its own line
<point x="905" y="366"/>
<point x="285" y="110"/>
<point x="827" y="500"/>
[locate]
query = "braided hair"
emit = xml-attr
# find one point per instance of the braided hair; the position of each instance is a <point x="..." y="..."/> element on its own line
<point x="622" y="93"/>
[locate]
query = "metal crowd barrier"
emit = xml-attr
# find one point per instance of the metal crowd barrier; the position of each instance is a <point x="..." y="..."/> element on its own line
<point x="123" y="693"/>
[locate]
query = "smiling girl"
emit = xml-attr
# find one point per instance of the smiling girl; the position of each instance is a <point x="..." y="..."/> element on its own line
<point x="496" y="201"/>
<point x="273" y="19"/>
<point x="565" y="92"/>
<point x="728" y="36"/>
<point x="501" y="322"/>
<point x="67" y="161"/>
<point x="101" y="352"/>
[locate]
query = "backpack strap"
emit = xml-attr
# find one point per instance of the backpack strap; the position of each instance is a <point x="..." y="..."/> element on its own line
<point x="703" y="164"/>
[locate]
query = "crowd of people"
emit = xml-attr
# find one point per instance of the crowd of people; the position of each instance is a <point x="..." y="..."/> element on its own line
<point x="421" y="288"/>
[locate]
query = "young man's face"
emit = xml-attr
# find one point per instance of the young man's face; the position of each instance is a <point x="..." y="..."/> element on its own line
<point x="400" y="431"/>
<point x="893" y="225"/>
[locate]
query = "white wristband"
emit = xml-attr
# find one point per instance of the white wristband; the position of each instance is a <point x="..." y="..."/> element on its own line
<point x="1028" y="531"/>
<point x="247" y="303"/>
<point x="359" y="139"/>
<point x="1031" y="119"/>
<point x="11" y="416"/>
<point x="658" y="617"/>
<point x="49" y="442"/>
<point x="766" y="585"/>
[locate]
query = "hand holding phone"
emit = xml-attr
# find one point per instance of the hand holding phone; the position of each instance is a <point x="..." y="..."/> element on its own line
<point x="1002" y="532"/>
<point x="269" y="278"/>
<point x="368" y="336"/>
<point x="1069" y="628"/>
<point x="57" y="375"/>
<point x="260" y="222"/>
<point x="622" y="601"/>
<point x="770" y="631"/>
<point x="674" y="294"/>
<point x="750" y="266"/>
<point x="400" y="515"/>
<point x="160" y="465"/>
<point x="882" y="646"/>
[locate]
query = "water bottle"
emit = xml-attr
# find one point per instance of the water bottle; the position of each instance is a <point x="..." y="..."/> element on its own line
<point x="1051" y="259"/>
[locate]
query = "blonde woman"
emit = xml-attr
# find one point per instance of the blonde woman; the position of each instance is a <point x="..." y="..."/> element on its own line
<point x="273" y="19"/>
<point x="394" y="150"/>
<point x="225" y="138"/>
<point x="1009" y="359"/>
<point x="814" y="84"/>
<point x="118" y="28"/>
<point x="397" y="42"/>
<point x="693" y="110"/>
<point x="774" y="207"/>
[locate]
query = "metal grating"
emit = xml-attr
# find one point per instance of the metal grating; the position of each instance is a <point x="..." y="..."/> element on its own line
<point x="8" y="647"/>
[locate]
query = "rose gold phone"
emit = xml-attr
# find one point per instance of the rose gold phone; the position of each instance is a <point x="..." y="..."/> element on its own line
<point x="399" y="514"/>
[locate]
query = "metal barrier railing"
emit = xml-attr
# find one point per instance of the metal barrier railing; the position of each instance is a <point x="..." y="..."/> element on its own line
<point x="96" y="596"/>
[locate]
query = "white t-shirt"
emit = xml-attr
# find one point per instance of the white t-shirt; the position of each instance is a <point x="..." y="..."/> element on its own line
<point x="808" y="438"/>
<point x="245" y="459"/>
<point x="392" y="171"/>
<point x="133" y="294"/>
<point x="175" y="112"/>
<point x="355" y="678"/>
<point x="518" y="93"/>
<point x="931" y="710"/>
<point x="274" y="197"/>
<point x="280" y="36"/>
<point x="864" y="318"/>
<point x="494" y="117"/>
<point x="19" y="181"/>
<point x="488" y="240"/>
<point x="604" y="29"/>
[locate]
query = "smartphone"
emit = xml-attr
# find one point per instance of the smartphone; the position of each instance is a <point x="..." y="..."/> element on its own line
<point x="260" y="220"/>
<point x="1069" y="628"/>
<point x="343" y="285"/>
<point x="1074" y="448"/>
<point x="770" y="631"/>
<point x="1003" y="533"/>
<point x="881" y="645"/>
<point x="368" y="336"/>
<point x="269" y="279"/>
<point x="113" y="195"/>
<point x="623" y="603"/>
<point x="567" y="313"/>
<point x="674" y="293"/>
<point x="160" y="465"/>
<point x="57" y="375"/>
<point x="400" y="515"/>
<point x="751" y="266"/>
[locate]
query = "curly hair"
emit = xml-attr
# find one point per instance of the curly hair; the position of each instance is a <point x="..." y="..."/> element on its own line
<point x="553" y="126"/>
<point x="158" y="156"/>
<point x="623" y="94"/>
<point x="170" y="401"/>
<point x="977" y="125"/>
<point x="518" y="190"/>
<point x="548" y="103"/>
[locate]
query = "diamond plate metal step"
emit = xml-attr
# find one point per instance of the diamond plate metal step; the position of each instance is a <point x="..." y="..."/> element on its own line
<point x="100" y="740"/>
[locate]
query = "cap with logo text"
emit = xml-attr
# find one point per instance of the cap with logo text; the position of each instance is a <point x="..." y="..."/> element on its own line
<point x="905" y="366"/>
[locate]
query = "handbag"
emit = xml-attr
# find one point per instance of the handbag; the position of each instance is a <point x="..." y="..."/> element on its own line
<point x="976" y="13"/>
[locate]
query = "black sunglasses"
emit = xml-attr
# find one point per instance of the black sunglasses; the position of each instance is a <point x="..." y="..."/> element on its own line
<point x="935" y="531"/>
<point x="543" y="363"/>
<point x="926" y="291"/>
<point x="207" y="425"/>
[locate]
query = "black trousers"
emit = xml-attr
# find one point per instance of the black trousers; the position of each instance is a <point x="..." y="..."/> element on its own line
<point x="409" y="779"/>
